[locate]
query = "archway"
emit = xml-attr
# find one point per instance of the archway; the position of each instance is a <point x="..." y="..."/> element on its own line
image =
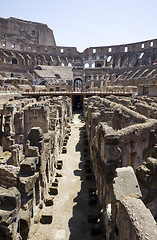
<point x="14" y="61"/>
<point x="78" y="85"/>
<point x="99" y="65"/>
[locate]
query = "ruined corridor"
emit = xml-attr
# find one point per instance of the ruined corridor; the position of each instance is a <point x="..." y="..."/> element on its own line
<point x="72" y="206"/>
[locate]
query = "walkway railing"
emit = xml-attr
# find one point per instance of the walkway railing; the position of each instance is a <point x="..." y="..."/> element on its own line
<point x="91" y="92"/>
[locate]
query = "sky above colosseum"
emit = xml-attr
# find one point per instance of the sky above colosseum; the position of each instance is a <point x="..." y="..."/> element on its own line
<point x="89" y="23"/>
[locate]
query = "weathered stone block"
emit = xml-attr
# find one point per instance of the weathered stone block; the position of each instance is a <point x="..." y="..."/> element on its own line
<point x="125" y="184"/>
<point x="29" y="166"/>
<point x="9" y="212"/>
<point x="26" y="184"/>
<point x="112" y="152"/>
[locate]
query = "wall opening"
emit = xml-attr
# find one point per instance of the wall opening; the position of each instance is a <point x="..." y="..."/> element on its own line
<point x="78" y="85"/>
<point x="23" y="229"/>
<point x="13" y="45"/>
<point x="151" y="44"/>
<point x="3" y="44"/>
<point x="109" y="58"/>
<point x="94" y="50"/>
<point x="77" y="101"/>
<point x="142" y="46"/>
<point x="14" y="61"/>
<point x="126" y="49"/>
<point x="69" y="65"/>
<point x="93" y="65"/>
<point x="99" y="65"/>
<point x="86" y="65"/>
<point x="37" y="192"/>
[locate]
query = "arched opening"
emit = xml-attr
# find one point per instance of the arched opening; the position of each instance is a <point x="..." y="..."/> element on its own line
<point x="93" y="65"/>
<point x="69" y="65"/>
<point x="14" y="61"/>
<point x="78" y="85"/>
<point x="86" y="65"/>
<point x="98" y="65"/>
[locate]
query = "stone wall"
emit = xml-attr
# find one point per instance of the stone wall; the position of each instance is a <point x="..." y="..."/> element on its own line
<point x="15" y="33"/>
<point x="32" y="137"/>
<point x="114" y="136"/>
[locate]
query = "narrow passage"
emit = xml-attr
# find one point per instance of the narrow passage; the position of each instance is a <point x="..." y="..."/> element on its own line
<point x="71" y="208"/>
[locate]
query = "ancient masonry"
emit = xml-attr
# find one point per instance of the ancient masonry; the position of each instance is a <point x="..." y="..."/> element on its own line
<point x="115" y="90"/>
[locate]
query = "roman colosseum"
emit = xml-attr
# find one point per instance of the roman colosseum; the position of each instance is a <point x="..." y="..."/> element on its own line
<point x="78" y="138"/>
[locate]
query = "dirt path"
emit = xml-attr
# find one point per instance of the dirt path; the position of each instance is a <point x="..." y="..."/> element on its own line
<point x="71" y="208"/>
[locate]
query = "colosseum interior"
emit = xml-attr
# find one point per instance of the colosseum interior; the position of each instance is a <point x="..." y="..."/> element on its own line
<point x="78" y="138"/>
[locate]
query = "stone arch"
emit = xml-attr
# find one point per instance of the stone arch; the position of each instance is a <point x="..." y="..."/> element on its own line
<point x="93" y="65"/>
<point x="26" y="58"/>
<point x="14" y="60"/>
<point x="7" y="56"/>
<point x="48" y="60"/>
<point x="98" y="64"/>
<point x="40" y="60"/>
<point x="69" y="64"/>
<point x="116" y="61"/>
<point x="21" y="59"/>
<point x="149" y="58"/>
<point x="124" y="60"/>
<point x="32" y="59"/>
<point x="55" y="61"/>
<point x="78" y="85"/>
<point x="86" y="65"/>
<point x="133" y="61"/>
<point x="63" y="61"/>
<point x="70" y="61"/>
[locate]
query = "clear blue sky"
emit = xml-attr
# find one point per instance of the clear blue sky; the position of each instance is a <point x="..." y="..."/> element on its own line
<point x="89" y="23"/>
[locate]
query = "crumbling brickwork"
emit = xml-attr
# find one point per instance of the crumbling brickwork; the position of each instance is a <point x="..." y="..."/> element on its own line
<point x="31" y="140"/>
<point x="115" y="136"/>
